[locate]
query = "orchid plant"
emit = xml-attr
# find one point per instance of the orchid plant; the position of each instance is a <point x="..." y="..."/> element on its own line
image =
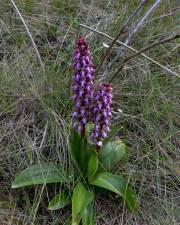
<point x="94" y="153"/>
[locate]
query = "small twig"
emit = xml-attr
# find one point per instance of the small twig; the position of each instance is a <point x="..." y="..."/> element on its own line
<point x="29" y="34"/>
<point x="102" y="17"/>
<point x="89" y="11"/>
<point x="152" y="20"/>
<point x="77" y="34"/>
<point x="132" y="49"/>
<point x="143" y="50"/>
<point x="120" y="32"/>
<point x="139" y="24"/>
<point x="135" y="30"/>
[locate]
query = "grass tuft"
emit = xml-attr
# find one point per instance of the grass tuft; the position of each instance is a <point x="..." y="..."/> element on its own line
<point x="35" y="107"/>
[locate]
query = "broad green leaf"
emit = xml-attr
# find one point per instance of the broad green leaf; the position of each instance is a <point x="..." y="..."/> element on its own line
<point x="99" y="190"/>
<point x="60" y="201"/>
<point x="80" y="200"/>
<point x="41" y="173"/>
<point x="118" y="185"/>
<point x="79" y="151"/>
<point x="111" y="154"/>
<point x="92" y="165"/>
<point x="87" y="218"/>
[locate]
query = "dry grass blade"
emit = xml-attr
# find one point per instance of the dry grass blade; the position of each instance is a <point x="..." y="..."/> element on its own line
<point x="142" y="3"/>
<point x="35" y="122"/>
<point x="163" y="16"/>
<point x="143" y="50"/>
<point x="139" y="24"/>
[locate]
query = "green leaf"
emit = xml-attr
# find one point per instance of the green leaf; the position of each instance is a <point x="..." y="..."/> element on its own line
<point x="60" y="201"/>
<point x="89" y="127"/>
<point x="92" y="165"/>
<point x="118" y="185"/>
<point x="41" y="173"/>
<point x="113" y="132"/>
<point x="79" y="152"/>
<point x="80" y="200"/>
<point x="87" y="218"/>
<point x="111" y="154"/>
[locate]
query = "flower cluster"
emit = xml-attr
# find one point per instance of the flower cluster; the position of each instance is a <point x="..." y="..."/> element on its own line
<point x="102" y="113"/>
<point x="82" y="86"/>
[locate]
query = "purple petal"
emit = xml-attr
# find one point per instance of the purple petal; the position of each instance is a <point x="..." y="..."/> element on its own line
<point x="99" y="143"/>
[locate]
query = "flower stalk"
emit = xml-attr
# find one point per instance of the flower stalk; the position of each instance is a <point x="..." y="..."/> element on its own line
<point x="87" y="105"/>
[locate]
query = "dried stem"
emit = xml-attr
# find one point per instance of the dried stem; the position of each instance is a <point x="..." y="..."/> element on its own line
<point x="152" y="20"/>
<point x="29" y="34"/>
<point x="120" y="32"/>
<point x="77" y="34"/>
<point x="143" y="50"/>
<point x="83" y="132"/>
<point x="131" y="49"/>
<point x="135" y="30"/>
<point x="141" y="21"/>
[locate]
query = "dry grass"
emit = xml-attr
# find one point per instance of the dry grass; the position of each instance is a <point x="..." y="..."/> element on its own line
<point x="35" y="108"/>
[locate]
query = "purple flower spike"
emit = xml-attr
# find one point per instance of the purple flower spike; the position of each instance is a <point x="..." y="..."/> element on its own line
<point x="102" y="113"/>
<point x="82" y="86"/>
